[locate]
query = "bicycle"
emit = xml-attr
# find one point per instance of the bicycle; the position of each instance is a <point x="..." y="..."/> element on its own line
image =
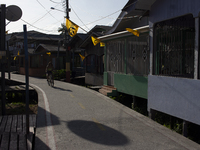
<point x="50" y="80"/>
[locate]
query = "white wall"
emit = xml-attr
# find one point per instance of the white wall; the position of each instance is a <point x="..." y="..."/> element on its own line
<point x="178" y="97"/>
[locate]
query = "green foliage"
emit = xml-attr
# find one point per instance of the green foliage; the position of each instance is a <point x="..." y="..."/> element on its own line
<point x="140" y="110"/>
<point x="178" y="127"/>
<point x="167" y="125"/>
<point x="59" y="74"/>
<point x="113" y="97"/>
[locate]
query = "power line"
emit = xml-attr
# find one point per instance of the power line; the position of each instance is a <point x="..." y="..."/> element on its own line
<point x="46" y="10"/>
<point x="109" y="15"/>
<point x="56" y="2"/>
<point x="79" y="18"/>
<point x="103" y="17"/>
<point x="44" y="15"/>
<point x="37" y="27"/>
<point x="31" y="24"/>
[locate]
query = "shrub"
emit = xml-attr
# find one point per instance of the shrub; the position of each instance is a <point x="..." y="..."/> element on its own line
<point x="59" y="74"/>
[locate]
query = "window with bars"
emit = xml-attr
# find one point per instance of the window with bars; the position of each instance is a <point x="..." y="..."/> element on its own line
<point x="94" y="64"/>
<point x="115" y="55"/>
<point x="138" y="55"/>
<point x="174" y="47"/>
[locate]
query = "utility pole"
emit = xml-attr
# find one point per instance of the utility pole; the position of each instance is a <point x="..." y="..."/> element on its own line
<point x="68" y="57"/>
<point x="2" y="50"/>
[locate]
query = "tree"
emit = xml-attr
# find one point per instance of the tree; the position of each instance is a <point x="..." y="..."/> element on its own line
<point x="62" y="29"/>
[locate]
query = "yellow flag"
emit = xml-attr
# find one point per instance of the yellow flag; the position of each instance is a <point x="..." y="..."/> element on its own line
<point x="95" y="40"/>
<point x="82" y="57"/>
<point x="71" y="27"/>
<point x="102" y="44"/>
<point x="18" y="53"/>
<point x="15" y="58"/>
<point x="48" y="53"/>
<point x="135" y="32"/>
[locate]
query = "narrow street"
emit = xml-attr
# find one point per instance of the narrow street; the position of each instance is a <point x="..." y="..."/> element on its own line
<point x="71" y="117"/>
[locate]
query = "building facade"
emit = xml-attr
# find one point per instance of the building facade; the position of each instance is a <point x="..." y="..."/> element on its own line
<point x="173" y="83"/>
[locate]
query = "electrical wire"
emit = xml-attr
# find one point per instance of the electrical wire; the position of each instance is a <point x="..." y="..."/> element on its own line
<point x="31" y="24"/>
<point x="56" y="2"/>
<point x="103" y="17"/>
<point x="46" y="10"/>
<point x="91" y="14"/>
<point x="44" y="15"/>
<point x="79" y="18"/>
<point x="110" y="15"/>
<point x="37" y="27"/>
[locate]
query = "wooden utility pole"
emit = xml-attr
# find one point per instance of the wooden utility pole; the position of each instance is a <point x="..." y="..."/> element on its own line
<point x="68" y="57"/>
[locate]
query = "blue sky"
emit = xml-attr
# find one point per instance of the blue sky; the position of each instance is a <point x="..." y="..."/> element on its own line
<point x="38" y="16"/>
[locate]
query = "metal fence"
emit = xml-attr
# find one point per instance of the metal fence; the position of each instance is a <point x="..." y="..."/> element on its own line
<point x="174" y="45"/>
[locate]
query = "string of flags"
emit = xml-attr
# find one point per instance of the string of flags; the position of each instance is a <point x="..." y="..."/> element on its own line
<point x="82" y="57"/>
<point x="72" y="29"/>
<point x="135" y="32"/>
<point x="15" y="58"/>
<point x="96" y="40"/>
<point x="48" y="53"/>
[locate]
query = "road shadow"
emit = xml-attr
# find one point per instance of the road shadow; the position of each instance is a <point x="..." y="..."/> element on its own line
<point x="61" y="89"/>
<point x="39" y="144"/>
<point x="97" y="133"/>
<point x="41" y="118"/>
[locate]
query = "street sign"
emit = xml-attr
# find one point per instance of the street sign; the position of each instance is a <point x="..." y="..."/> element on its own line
<point x="13" y="13"/>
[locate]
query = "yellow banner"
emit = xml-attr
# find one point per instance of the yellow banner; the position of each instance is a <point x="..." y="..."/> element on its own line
<point x="102" y="44"/>
<point x="71" y="27"/>
<point x="95" y="40"/>
<point x="82" y="57"/>
<point x="48" y="53"/>
<point x="135" y="32"/>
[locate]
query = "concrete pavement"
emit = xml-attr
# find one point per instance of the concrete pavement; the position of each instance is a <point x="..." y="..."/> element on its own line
<point x="73" y="117"/>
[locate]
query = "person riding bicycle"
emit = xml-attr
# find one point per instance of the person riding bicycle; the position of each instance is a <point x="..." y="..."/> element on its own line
<point x="49" y="70"/>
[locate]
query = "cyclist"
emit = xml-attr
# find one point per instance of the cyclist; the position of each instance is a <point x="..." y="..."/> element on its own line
<point x="49" y="70"/>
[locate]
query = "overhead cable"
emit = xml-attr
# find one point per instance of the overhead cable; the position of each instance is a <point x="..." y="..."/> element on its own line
<point x="79" y="18"/>
<point x="56" y="2"/>
<point x="46" y="9"/>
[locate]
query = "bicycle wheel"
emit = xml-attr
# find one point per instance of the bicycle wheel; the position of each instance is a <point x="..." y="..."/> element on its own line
<point x="48" y="80"/>
<point x="51" y="81"/>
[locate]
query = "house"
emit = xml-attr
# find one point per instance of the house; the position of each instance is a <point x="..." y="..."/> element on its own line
<point x="173" y="83"/>
<point x="40" y="57"/>
<point x="126" y="65"/>
<point x="77" y="63"/>
<point x="36" y="40"/>
<point x="170" y="82"/>
<point x="16" y="41"/>
<point x="126" y="61"/>
<point x="94" y="56"/>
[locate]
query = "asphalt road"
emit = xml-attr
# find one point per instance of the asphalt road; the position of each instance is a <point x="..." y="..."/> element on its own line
<point x="71" y="117"/>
